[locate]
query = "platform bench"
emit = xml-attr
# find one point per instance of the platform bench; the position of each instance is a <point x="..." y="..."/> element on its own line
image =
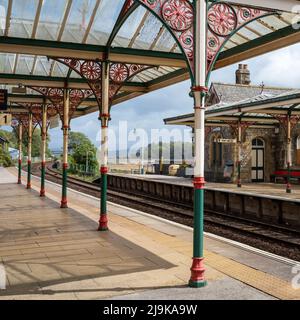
<point x="283" y="176"/>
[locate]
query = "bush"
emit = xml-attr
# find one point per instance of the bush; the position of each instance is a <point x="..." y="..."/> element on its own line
<point x="5" y="158"/>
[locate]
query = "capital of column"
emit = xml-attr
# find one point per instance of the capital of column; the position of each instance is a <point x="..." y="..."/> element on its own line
<point x="104" y="118"/>
<point x="199" y="183"/>
<point x="44" y="136"/>
<point x="104" y="170"/>
<point x="201" y="89"/>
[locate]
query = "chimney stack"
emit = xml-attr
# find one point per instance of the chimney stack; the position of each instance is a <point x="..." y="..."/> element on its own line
<point x="243" y="75"/>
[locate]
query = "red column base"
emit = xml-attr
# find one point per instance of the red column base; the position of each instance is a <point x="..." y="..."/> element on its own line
<point x="239" y="184"/>
<point x="197" y="274"/>
<point x="103" y="223"/>
<point x="288" y="188"/>
<point x="19" y="181"/>
<point x="28" y="186"/>
<point x="64" y="203"/>
<point x="42" y="193"/>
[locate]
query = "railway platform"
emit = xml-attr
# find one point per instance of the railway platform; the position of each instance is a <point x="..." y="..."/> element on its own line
<point x="53" y="253"/>
<point x="271" y="190"/>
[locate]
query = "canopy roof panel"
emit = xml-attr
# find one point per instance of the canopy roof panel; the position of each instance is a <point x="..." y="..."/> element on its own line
<point x="32" y="30"/>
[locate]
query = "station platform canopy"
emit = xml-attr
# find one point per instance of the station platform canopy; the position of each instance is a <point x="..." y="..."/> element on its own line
<point x="263" y="110"/>
<point x="36" y="36"/>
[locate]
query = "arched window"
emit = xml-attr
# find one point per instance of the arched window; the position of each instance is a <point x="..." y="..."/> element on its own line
<point x="298" y="152"/>
<point x="258" y="143"/>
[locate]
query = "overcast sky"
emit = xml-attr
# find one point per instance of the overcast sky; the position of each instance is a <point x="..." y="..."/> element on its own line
<point x="279" y="68"/>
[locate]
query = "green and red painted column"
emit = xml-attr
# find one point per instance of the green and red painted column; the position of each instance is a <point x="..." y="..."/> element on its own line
<point x="65" y="128"/>
<point x="199" y="89"/>
<point x="29" y="148"/>
<point x="104" y="117"/>
<point x="20" y="135"/>
<point x="239" y="147"/>
<point x="43" y="149"/>
<point x="289" y="155"/>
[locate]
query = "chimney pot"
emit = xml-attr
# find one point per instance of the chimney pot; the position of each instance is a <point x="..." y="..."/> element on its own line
<point x="243" y="75"/>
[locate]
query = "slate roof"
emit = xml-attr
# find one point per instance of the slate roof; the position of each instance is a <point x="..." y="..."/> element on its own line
<point x="234" y="92"/>
<point x="277" y="95"/>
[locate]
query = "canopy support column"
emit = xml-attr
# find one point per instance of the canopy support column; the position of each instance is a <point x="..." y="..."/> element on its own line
<point x="104" y="117"/>
<point x="239" y="147"/>
<point x="64" y="200"/>
<point x="289" y="155"/>
<point x="29" y="148"/>
<point x="197" y="279"/>
<point x="20" y="153"/>
<point x="43" y="149"/>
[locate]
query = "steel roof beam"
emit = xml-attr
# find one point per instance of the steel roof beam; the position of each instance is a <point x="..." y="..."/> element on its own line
<point x="283" y="5"/>
<point x="92" y="18"/>
<point x="59" y="82"/>
<point x="37" y="19"/>
<point x="93" y="52"/>
<point x="8" y="16"/>
<point x="270" y="42"/>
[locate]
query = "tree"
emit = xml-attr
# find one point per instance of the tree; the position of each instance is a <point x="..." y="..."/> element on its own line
<point x="5" y="158"/>
<point x="76" y="139"/>
<point x="82" y="151"/>
<point x="11" y="137"/>
<point x="36" y="144"/>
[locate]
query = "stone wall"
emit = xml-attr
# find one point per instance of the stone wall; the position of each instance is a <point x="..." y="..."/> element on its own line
<point x="272" y="146"/>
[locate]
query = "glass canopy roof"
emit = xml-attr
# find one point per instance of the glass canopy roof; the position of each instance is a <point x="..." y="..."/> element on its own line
<point x="90" y="24"/>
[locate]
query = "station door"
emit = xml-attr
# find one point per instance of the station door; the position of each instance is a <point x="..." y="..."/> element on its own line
<point x="258" y="160"/>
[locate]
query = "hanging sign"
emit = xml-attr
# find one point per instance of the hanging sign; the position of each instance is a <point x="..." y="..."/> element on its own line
<point x="3" y="99"/>
<point x="225" y="140"/>
<point x="5" y="119"/>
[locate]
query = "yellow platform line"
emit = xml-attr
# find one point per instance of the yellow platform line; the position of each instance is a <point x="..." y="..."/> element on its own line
<point x="257" y="279"/>
<point x="260" y="280"/>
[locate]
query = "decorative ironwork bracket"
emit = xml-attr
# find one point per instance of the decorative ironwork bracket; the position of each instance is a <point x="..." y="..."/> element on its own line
<point x="224" y="21"/>
<point x="56" y="96"/>
<point x="91" y="71"/>
<point x="284" y="119"/>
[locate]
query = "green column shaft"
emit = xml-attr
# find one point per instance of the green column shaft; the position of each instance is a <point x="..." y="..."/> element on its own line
<point x="19" y="171"/>
<point x="198" y="222"/>
<point x="43" y="169"/>
<point x="64" y="181"/>
<point x="64" y="200"/>
<point x="103" y="193"/>
<point x="28" y="174"/>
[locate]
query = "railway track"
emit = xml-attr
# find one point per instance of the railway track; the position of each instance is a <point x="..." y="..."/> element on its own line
<point x="277" y="239"/>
